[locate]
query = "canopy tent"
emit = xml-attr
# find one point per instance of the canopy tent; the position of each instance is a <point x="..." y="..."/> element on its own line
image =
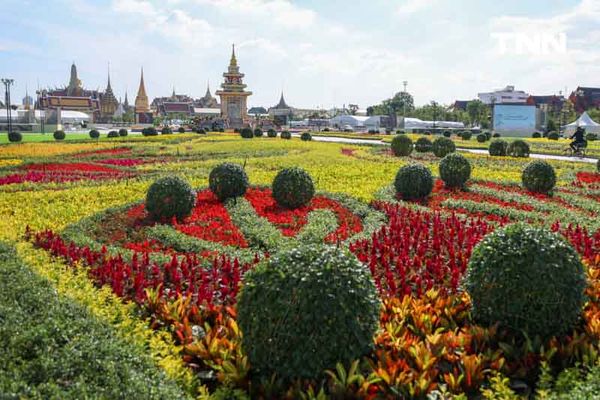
<point x="585" y="122"/>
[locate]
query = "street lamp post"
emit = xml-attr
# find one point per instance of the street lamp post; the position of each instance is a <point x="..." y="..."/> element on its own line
<point x="434" y="105"/>
<point x="7" y="83"/>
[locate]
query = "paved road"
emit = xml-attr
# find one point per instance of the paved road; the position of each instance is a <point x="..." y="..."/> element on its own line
<point x="334" y="139"/>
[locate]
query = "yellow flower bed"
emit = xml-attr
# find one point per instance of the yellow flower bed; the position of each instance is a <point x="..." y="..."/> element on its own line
<point x="9" y="162"/>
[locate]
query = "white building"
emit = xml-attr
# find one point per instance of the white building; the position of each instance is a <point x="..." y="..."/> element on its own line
<point x="357" y="122"/>
<point x="506" y="95"/>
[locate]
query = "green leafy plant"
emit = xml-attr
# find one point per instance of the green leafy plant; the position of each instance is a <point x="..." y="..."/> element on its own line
<point x="271" y="133"/>
<point x="526" y="278"/>
<point x="94" y="134"/>
<point x="181" y="129"/>
<point x="423" y="145"/>
<point x="482" y="138"/>
<point x="466" y="135"/>
<point x="149" y="131"/>
<point x="306" y="136"/>
<point x="443" y="146"/>
<point x="166" y="130"/>
<point x="539" y="176"/>
<point x="15" y="137"/>
<point x="553" y="136"/>
<point x="258" y="132"/>
<point x="413" y="182"/>
<point x="170" y="197"/>
<point x="228" y="180"/>
<point x="286" y="135"/>
<point x="293" y="306"/>
<point x="123" y="132"/>
<point x="518" y="148"/>
<point x="112" y="134"/>
<point x="498" y="148"/>
<point x="293" y="188"/>
<point x="247" y="133"/>
<point x="59" y="135"/>
<point x="536" y="135"/>
<point x="402" y="145"/>
<point x="455" y="170"/>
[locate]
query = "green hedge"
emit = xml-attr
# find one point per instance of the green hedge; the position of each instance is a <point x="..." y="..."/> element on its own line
<point x="51" y="347"/>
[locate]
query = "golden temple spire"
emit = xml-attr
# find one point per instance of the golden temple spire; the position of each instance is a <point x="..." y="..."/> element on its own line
<point x="233" y="61"/>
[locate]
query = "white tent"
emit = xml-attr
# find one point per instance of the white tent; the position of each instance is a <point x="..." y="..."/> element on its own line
<point x="585" y="122"/>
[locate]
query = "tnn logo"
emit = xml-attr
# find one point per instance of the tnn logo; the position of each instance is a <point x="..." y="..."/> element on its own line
<point x="531" y="43"/>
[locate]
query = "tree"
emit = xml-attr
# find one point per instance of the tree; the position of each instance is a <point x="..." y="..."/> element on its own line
<point x="477" y="111"/>
<point x="352" y="108"/>
<point x="396" y="105"/>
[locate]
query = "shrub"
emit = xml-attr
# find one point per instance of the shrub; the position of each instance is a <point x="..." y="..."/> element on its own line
<point x="286" y="135"/>
<point x="271" y="133"/>
<point x="123" y="132"/>
<point x="200" y="131"/>
<point x="326" y="130"/>
<point x="228" y="180"/>
<point x="466" y="135"/>
<point x="498" y="147"/>
<point x="598" y="165"/>
<point x="518" y="148"/>
<point x="590" y="137"/>
<point x="373" y="131"/>
<point x="306" y="136"/>
<point x="112" y="134"/>
<point x="166" y="130"/>
<point x="539" y="176"/>
<point x="536" y="135"/>
<point x="402" y="146"/>
<point x="427" y="133"/>
<point x="304" y="310"/>
<point x="170" y="197"/>
<point x="150" y="131"/>
<point x="553" y="136"/>
<point x="247" y="133"/>
<point x="487" y="134"/>
<point x="442" y="146"/>
<point x="258" y="132"/>
<point x="293" y="188"/>
<point x="496" y="135"/>
<point x="221" y="130"/>
<point x="94" y="134"/>
<point x="413" y="182"/>
<point x="400" y="132"/>
<point x="455" y="170"/>
<point x="423" y="145"/>
<point x="181" y="129"/>
<point x="481" y="138"/>
<point x="15" y="137"/>
<point x="59" y="135"/>
<point x="447" y="134"/>
<point x="526" y="278"/>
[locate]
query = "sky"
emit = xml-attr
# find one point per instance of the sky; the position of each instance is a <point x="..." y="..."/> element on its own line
<point x="321" y="53"/>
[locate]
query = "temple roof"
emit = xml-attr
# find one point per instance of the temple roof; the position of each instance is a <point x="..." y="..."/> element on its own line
<point x="281" y="105"/>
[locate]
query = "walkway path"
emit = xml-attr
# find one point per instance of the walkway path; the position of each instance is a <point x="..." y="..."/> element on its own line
<point x="334" y="139"/>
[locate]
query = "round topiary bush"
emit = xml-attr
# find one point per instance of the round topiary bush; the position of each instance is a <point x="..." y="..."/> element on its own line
<point x="482" y="137"/>
<point x="447" y="134"/>
<point x="170" y="197"/>
<point x="443" y="146"/>
<point x="123" y="132"/>
<point x="306" y="136"/>
<point x="15" y="137"/>
<point x="150" y="131"/>
<point x="112" y="134"/>
<point x="466" y="135"/>
<point x="200" y="131"/>
<point x="286" y="135"/>
<point x="590" y="137"/>
<point x="423" y="145"/>
<point x="228" y="180"/>
<point x="487" y="134"/>
<point x="498" y="148"/>
<point x="94" y="134"/>
<point x="455" y="170"/>
<point x="413" y="182"/>
<point x="400" y="132"/>
<point x="166" y="131"/>
<point x="536" y="135"/>
<point x="293" y="188"/>
<point x="539" y="176"/>
<point x="247" y="133"/>
<point x="181" y="129"/>
<point x="553" y="136"/>
<point x="496" y="135"/>
<point x="258" y="132"/>
<point x="59" y="135"/>
<point x="271" y="133"/>
<point x="304" y="310"/>
<point x="526" y="278"/>
<point x="427" y="133"/>
<point x="402" y="146"/>
<point x="518" y="148"/>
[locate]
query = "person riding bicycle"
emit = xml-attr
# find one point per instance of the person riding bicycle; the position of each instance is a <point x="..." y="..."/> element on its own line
<point x="579" y="137"/>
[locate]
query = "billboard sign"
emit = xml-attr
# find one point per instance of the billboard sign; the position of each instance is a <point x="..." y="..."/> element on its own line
<point x="519" y="119"/>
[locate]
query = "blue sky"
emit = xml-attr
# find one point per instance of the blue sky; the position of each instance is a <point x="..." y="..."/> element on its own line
<point x="321" y="53"/>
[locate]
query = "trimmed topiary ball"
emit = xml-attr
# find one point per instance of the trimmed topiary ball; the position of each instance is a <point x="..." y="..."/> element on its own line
<point x="112" y="134"/>
<point x="402" y="146"/>
<point x="181" y="129"/>
<point x="228" y="180"/>
<point x="286" y="135"/>
<point x="150" y="131"/>
<point x="526" y="278"/>
<point x="170" y="197"/>
<point x="306" y="136"/>
<point x="94" y="134"/>
<point x="482" y="137"/>
<point x="413" y="182"/>
<point x="466" y="135"/>
<point x="293" y="188"/>
<point x="455" y="170"/>
<point x="447" y="134"/>
<point x="247" y="133"/>
<point x="123" y="132"/>
<point x="539" y="176"/>
<point x="423" y="145"/>
<point x="200" y="131"/>
<point x="304" y="310"/>
<point x="590" y="137"/>
<point x="258" y="132"/>
<point x="553" y="136"/>
<point x="166" y="131"/>
<point x="536" y="135"/>
<point x="15" y="137"/>
<point x="271" y="133"/>
<point x="443" y="146"/>
<point x="59" y="135"/>
<point x="498" y="147"/>
<point x="518" y="148"/>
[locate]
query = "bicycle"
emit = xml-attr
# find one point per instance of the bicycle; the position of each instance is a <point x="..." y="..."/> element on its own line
<point x="578" y="152"/>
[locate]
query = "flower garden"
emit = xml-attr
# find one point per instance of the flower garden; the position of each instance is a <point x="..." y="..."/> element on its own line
<point x="213" y="266"/>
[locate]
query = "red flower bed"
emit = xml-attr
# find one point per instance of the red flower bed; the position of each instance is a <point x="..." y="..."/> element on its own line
<point x="69" y="167"/>
<point x="590" y="180"/>
<point x="53" y="177"/>
<point x="290" y="222"/>
<point x="118" y="150"/>
<point x="122" y="162"/>
<point x="348" y="152"/>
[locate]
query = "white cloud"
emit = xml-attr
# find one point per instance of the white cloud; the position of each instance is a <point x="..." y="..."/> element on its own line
<point x="409" y="7"/>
